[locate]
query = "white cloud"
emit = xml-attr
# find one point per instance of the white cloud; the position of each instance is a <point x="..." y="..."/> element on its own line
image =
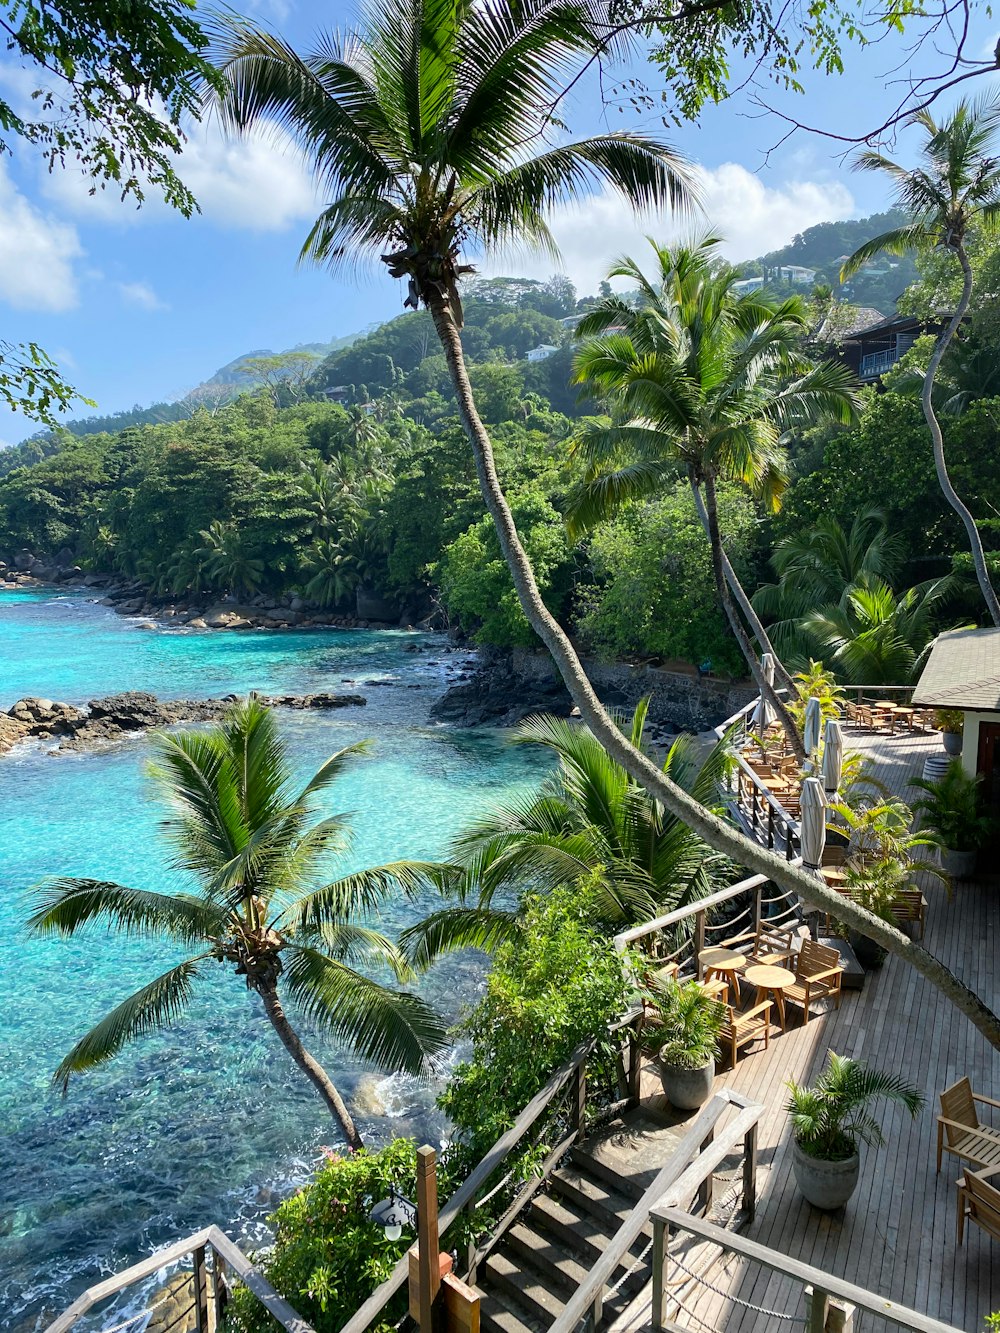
<point x="140" y="294"/>
<point x="753" y="218"/>
<point x="257" y="183"/>
<point x="36" y="254"/>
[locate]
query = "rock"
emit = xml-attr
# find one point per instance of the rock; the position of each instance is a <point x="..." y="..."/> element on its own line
<point x="281" y="617"/>
<point x="196" y="622"/>
<point x="132" y="710"/>
<point x="145" y="624"/>
<point x="240" y="623"/>
<point x="297" y="604"/>
<point x="24" y="560"/>
<point x="130" y="607"/>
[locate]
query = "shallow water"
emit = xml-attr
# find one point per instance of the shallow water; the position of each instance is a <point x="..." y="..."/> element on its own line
<point x="208" y="1121"/>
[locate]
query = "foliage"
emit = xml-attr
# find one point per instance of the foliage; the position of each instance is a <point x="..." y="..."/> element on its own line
<point x="264" y="908"/>
<point x="557" y="984"/>
<point x="815" y="682"/>
<point x="328" y="1256"/>
<point x="949" y="719"/>
<point x="832" y="1118"/>
<point x="951" y="809"/>
<point x="880" y="830"/>
<point x="686" y="1023"/>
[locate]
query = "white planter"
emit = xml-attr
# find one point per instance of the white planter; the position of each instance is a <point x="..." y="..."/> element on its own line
<point x="687" y="1089"/>
<point x="825" y="1185"/>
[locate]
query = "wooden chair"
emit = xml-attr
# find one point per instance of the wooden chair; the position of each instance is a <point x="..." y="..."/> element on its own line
<point x="817" y="975"/>
<point x="909" y="906"/>
<point x="740" y="1029"/>
<point x="960" y="1131"/>
<point x="851" y="712"/>
<point x="772" y="945"/>
<point x="979" y="1201"/>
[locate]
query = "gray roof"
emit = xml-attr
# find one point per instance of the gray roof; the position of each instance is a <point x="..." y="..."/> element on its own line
<point x="962" y="671"/>
<point x="842" y="322"/>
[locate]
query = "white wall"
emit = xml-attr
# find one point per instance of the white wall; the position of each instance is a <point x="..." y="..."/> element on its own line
<point x="970" y="739"/>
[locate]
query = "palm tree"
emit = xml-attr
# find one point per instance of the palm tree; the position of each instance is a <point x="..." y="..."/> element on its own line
<point x="956" y="187"/>
<point x="820" y="565"/>
<point x="242" y="827"/>
<point x="589" y="823"/>
<point x="875" y="636"/>
<point x="419" y="126"/>
<point x="704" y="380"/>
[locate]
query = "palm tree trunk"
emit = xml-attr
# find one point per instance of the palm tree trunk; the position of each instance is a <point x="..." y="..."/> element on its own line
<point x="309" y="1065"/>
<point x="944" y="480"/>
<point x="718" y="834"/>
<point x="736" y="625"/>
<point x="742" y="600"/>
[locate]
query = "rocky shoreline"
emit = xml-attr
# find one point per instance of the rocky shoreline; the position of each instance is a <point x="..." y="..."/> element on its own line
<point x="106" y="721"/>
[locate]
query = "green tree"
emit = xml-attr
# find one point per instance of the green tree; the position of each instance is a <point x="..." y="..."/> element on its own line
<point x="228" y="565"/>
<point x="241" y="826"/>
<point x="701" y="380"/>
<point x="416" y="126"/>
<point x="957" y="186"/>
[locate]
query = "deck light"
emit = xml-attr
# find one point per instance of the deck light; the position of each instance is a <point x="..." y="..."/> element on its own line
<point x="393" y="1214"/>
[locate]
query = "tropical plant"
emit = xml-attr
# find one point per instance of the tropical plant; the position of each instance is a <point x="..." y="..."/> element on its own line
<point x="832" y="1118"/>
<point x="816" y="682"/>
<point x="956" y="186"/>
<point x="877" y="636"/>
<point x="241" y="826"/>
<point x="819" y="565"/>
<point x="702" y="379"/>
<point x="417" y="126"/>
<point x="951" y="810"/>
<point x="881" y="831"/>
<point x="589" y="823"/>
<point x="951" y="720"/>
<point x="226" y="563"/>
<point x="685" y="1024"/>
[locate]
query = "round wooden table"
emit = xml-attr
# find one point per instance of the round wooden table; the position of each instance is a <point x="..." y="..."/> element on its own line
<point x="727" y="963"/>
<point x="770" y="980"/>
<point x="833" y="874"/>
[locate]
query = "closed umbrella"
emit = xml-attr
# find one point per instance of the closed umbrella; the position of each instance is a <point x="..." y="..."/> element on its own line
<point x="762" y="718"/>
<point x="812" y="835"/>
<point x="833" y="755"/>
<point x="810" y="732"/>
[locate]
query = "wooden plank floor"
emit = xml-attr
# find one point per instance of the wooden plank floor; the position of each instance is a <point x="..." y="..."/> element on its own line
<point x="897" y="1235"/>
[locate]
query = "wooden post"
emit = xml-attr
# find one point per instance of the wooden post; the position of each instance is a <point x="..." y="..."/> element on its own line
<point x="634" y="1065"/>
<point x="428" y="1241"/>
<point x="705" y="1188"/>
<point x="661" y="1239"/>
<point x="699" y="940"/>
<point x="817" y="1305"/>
<point x="199" y="1282"/>
<point x="750" y="1173"/>
<point x="758" y="907"/>
<point x="220" y="1292"/>
<point x="579" y="1107"/>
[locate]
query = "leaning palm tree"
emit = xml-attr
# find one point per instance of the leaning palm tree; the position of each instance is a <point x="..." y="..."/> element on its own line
<point x="419" y="127"/>
<point x="589" y="823"/>
<point x="956" y="187"/>
<point x="241" y="825"/>
<point x="703" y="380"/>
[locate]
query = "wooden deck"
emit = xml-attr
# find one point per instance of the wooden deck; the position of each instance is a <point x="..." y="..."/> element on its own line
<point x="897" y="1235"/>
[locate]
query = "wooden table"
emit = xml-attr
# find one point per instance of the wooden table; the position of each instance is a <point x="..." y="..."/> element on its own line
<point x="771" y="980"/>
<point x="833" y="874"/>
<point x="727" y="963"/>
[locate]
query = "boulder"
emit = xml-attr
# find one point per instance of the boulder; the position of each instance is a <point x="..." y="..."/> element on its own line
<point x="24" y="560"/>
<point x="132" y="710"/>
<point x="196" y="622"/>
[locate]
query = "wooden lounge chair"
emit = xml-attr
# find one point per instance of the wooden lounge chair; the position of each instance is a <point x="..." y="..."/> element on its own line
<point x="979" y="1201"/>
<point x="910" y="905"/>
<point x="740" y="1029"/>
<point x="959" y="1130"/>
<point x="817" y="975"/>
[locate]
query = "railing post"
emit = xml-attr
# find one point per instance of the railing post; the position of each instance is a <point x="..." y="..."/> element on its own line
<point x="661" y="1240"/>
<point x="634" y="1091"/>
<point x="758" y="908"/>
<point x="705" y="1188"/>
<point x="199" y="1281"/>
<point x="598" y="1310"/>
<point x="817" y="1305"/>
<point x="770" y="826"/>
<point x="220" y="1291"/>
<point x="579" y="1107"/>
<point x="750" y="1173"/>
<point x="699" y="940"/>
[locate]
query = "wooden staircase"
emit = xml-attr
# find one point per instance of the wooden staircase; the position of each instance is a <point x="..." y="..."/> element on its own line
<point x="541" y="1261"/>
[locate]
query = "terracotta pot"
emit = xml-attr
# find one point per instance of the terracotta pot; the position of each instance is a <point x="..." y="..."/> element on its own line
<point x="824" y="1184"/>
<point x="687" y="1089"/>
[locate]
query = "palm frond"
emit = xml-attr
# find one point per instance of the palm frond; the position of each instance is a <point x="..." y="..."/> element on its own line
<point x="453" y="928"/>
<point x="362" y="893"/>
<point x="64" y="906"/>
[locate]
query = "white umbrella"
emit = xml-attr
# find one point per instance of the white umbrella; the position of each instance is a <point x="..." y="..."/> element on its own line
<point x="833" y="755"/>
<point x="762" y="718"/>
<point x="812" y="824"/>
<point x="810" y="732"/>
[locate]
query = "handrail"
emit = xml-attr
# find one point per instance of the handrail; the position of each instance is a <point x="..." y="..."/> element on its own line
<point x="690" y="1165"/>
<point x="210" y="1237"/>
<point x="627" y="937"/>
<point x="824" y="1284"/>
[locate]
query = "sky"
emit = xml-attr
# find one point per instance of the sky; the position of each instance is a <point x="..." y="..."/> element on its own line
<point x="138" y="306"/>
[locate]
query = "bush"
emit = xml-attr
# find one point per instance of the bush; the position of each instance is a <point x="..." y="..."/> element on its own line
<point x="328" y="1257"/>
<point x="558" y="985"/>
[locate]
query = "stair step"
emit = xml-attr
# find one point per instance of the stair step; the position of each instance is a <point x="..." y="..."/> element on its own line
<point x="594" y="1197"/>
<point x="520" y="1282"/>
<point x="574" y="1228"/>
<point x="497" y="1315"/>
<point x="599" y="1171"/>
<point x="560" y="1269"/>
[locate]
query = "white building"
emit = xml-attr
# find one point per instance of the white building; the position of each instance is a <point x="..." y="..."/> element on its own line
<point x="542" y="352"/>
<point x="802" y="277"/>
<point x="747" y="285"/>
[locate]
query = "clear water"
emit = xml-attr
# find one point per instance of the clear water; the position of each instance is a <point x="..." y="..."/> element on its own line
<point x="208" y="1121"/>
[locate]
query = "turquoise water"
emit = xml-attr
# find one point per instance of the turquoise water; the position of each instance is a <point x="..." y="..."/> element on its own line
<point x="209" y="1121"/>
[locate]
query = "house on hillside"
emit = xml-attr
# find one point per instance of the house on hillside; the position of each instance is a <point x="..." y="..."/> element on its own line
<point x="795" y="273"/>
<point x="874" y="350"/>
<point x="338" y="393"/>
<point x="746" y="285"/>
<point x="542" y="352"/>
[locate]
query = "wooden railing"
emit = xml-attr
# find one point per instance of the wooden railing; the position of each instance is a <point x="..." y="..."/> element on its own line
<point x="210" y="1285"/>
<point x="571" y="1079"/>
<point x="760" y="812"/>
<point x="680" y="936"/>
<point x="686" y="1177"/>
<point x="823" y="1286"/>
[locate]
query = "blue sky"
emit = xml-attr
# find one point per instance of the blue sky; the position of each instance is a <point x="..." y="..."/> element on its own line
<point x="141" y="306"/>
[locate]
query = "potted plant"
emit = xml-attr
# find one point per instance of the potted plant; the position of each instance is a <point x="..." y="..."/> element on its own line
<point x="950" y="810"/>
<point x="875" y="888"/>
<point x="950" y="721"/>
<point x="832" y="1119"/>
<point x="684" y="1035"/>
